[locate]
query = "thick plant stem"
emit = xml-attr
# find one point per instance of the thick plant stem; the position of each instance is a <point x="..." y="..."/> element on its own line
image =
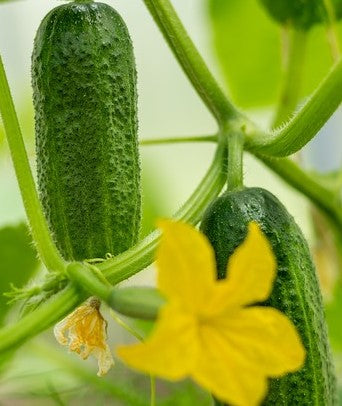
<point x="191" y="61"/>
<point x="86" y="277"/>
<point x="235" y="164"/>
<point x="306" y="123"/>
<point x="137" y="302"/>
<point x="293" y="71"/>
<point x="39" y="229"/>
<point x="118" y="268"/>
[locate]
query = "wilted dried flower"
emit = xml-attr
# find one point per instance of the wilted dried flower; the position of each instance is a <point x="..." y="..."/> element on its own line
<point x="86" y="334"/>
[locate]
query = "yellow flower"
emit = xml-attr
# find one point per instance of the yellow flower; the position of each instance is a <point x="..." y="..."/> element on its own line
<point x="87" y="334"/>
<point x="209" y="329"/>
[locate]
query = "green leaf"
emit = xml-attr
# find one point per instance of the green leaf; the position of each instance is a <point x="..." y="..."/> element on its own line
<point x="302" y="14"/>
<point x="247" y="42"/>
<point x="18" y="261"/>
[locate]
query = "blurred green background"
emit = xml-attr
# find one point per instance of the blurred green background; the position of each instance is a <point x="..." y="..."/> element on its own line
<point x="242" y="46"/>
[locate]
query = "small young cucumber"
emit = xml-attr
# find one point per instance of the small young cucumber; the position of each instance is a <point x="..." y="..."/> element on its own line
<point x="296" y="291"/>
<point x="85" y="99"/>
<point x="302" y="14"/>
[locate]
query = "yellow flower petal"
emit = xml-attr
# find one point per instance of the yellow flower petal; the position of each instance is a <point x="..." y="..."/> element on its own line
<point x="186" y="265"/>
<point x="222" y="371"/>
<point x="264" y="337"/>
<point x="206" y="331"/>
<point x="251" y="269"/>
<point x="170" y="351"/>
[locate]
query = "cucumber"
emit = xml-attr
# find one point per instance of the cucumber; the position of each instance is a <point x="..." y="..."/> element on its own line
<point x="302" y="14"/>
<point x="85" y="100"/>
<point x="296" y="291"/>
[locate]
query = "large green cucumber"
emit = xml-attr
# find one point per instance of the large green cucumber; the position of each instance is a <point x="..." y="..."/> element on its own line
<point x="296" y="291"/>
<point x="85" y="99"/>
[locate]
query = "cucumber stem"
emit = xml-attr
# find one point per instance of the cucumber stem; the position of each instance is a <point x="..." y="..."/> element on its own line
<point x="138" y="302"/>
<point x="235" y="161"/>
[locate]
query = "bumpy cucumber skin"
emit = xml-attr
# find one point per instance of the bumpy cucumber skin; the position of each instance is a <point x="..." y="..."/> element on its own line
<point x="296" y="291"/>
<point x="85" y="99"/>
<point x="303" y="14"/>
